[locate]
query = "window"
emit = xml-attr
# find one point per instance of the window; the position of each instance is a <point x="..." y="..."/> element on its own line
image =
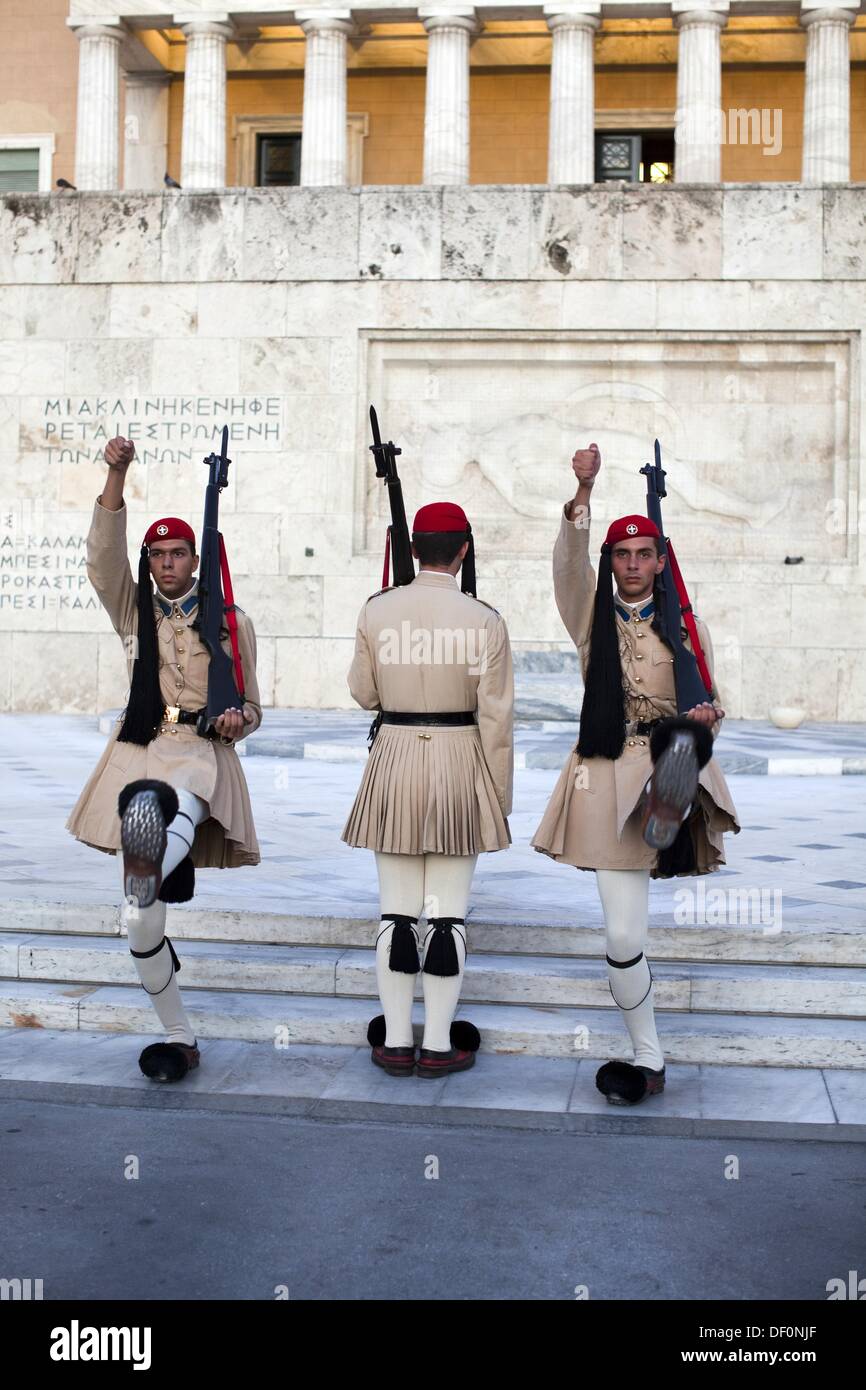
<point x="265" y="155"/>
<point x="278" y="160"/>
<point x="25" y="163"/>
<point x="637" y="157"/>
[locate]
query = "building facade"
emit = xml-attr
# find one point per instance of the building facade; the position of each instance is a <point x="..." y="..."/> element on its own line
<point x="514" y="229"/>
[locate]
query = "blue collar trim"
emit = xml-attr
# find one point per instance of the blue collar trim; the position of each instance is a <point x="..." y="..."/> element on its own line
<point x="186" y="607"/>
<point x="645" y="612"/>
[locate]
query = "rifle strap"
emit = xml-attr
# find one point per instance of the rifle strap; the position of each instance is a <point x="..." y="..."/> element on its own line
<point x="689" y="619"/>
<point x="385" y="572"/>
<point x="231" y="617"/>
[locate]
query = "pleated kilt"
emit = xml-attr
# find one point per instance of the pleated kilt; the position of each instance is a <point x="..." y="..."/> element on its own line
<point x="427" y="795"/>
<point x="211" y="770"/>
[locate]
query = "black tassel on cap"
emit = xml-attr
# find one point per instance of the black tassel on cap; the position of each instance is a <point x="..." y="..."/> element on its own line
<point x="145" y="706"/>
<point x="441" y="957"/>
<point x="467" y="576"/>
<point x="403" y="955"/>
<point x="602" y="714"/>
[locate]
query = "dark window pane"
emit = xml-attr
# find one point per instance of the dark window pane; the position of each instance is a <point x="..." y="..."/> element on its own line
<point x="636" y="156"/>
<point x="278" y="160"/>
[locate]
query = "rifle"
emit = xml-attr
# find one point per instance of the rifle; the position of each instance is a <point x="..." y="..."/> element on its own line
<point x="225" y="679"/>
<point x="691" y="677"/>
<point x="397" y="541"/>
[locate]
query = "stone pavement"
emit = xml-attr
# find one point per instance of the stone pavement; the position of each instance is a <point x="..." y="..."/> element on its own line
<point x="748" y="746"/>
<point x="804" y="837"/>
<point x="802" y="845"/>
<point x="340" y="1083"/>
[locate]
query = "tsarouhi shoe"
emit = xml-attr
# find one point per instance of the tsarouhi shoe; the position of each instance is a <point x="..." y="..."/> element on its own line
<point x="624" y="1084"/>
<point x="679" y="748"/>
<point x="146" y="807"/>
<point x="169" y="1061"/>
<point x="396" y="1061"/>
<point x="432" y="1063"/>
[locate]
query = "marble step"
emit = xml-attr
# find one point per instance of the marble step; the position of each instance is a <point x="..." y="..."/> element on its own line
<point x="339" y="1083"/>
<point x="797" y="943"/>
<point x="586" y="1033"/>
<point x="811" y="991"/>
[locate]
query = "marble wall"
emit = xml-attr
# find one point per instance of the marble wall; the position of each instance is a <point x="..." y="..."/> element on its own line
<point x="495" y="329"/>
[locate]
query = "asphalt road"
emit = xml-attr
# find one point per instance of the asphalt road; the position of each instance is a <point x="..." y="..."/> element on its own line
<point x="120" y="1203"/>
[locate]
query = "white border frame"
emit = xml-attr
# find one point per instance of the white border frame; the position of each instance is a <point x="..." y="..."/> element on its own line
<point x="246" y="128"/>
<point x="45" y="146"/>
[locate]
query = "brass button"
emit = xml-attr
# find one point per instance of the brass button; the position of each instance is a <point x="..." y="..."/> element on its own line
<point x="425" y="735"/>
<point x="178" y="647"/>
<point x="631" y="743"/>
<point x="638" y="656"/>
<point x="178" y="630"/>
<point x="637" y="678"/>
<point x="640" y="634"/>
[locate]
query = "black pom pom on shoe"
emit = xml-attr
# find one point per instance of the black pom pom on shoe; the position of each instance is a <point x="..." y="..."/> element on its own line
<point x="621" y="1079"/>
<point x="376" y="1031"/>
<point x="166" y="795"/>
<point x="465" y="1036"/>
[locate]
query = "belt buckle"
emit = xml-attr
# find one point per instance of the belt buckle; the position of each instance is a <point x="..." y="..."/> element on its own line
<point x="172" y="714"/>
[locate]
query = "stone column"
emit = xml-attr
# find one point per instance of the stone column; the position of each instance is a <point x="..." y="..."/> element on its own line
<point x="827" y="108"/>
<point x="698" y="157"/>
<point x="571" y="145"/>
<point x="446" y="110"/>
<point x="203" y="141"/>
<point x="96" y="129"/>
<point x="324" y="154"/>
<point x="145" y="129"/>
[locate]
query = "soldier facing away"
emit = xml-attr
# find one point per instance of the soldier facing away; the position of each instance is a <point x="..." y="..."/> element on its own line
<point x="641" y="795"/>
<point x="436" y="791"/>
<point x="169" y="798"/>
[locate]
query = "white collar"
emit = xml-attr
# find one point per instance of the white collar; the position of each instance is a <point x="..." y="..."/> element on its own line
<point x="437" y="577"/>
<point x="182" y="597"/>
<point x="633" y="603"/>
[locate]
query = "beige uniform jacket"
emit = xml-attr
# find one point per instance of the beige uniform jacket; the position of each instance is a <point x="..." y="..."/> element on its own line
<point x="208" y="768"/>
<point x="590" y="821"/>
<point x="423" y="648"/>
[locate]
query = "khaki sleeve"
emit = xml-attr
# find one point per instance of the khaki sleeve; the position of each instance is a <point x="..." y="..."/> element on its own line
<point x="496" y="713"/>
<point x="247" y="648"/>
<point x="362" y="675"/>
<point x="574" y="579"/>
<point x="108" y="568"/>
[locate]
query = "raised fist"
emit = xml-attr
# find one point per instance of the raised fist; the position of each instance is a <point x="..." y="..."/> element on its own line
<point x="586" y="463"/>
<point x="119" y="453"/>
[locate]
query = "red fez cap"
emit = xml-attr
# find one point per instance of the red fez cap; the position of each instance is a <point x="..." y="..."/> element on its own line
<point x="440" y="516"/>
<point x="627" y="527"/>
<point x="169" y="528"/>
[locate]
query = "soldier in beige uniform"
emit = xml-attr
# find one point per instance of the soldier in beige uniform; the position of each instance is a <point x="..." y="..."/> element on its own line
<point x="197" y="781"/>
<point x="597" y="815"/>
<point x="436" y="791"/>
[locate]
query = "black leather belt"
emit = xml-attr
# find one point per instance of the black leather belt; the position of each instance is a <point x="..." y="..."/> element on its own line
<point x="646" y="726"/>
<point x="389" y="716"/>
<point x="173" y="714"/>
<point x="449" y="717"/>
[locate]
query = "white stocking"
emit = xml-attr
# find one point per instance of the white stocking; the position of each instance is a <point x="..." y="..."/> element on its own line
<point x="145" y="926"/>
<point x="401" y="890"/>
<point x="624" y="897"/>
<point x="447" y="880"/>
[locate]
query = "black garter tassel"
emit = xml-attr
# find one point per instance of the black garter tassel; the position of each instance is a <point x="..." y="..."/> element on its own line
<point x="403" y="955"/>
<point x="441" y="957"/>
